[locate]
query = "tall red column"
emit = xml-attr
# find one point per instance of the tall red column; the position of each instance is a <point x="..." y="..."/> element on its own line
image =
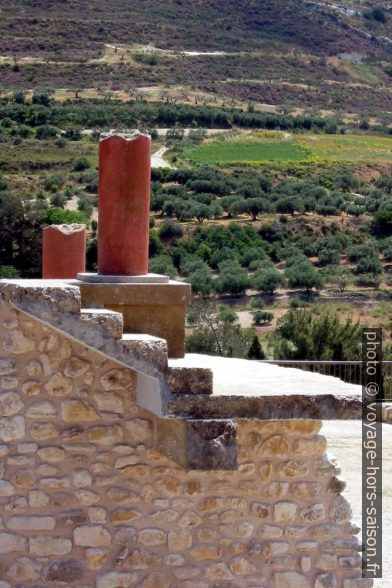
<point x="63" y="251"/>
<point x="124" y="205"/>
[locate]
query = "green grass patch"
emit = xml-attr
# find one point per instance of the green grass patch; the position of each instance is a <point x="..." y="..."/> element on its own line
<point x="281" y="149"/>
<point x="247" y="152"/>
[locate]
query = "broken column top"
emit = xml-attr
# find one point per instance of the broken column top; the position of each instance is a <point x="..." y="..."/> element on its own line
<point x="66" y="229"/>
<point x="126" y="135"/>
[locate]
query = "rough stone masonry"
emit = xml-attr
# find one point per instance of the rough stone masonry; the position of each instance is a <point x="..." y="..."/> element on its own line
<point x="87" y="500"/>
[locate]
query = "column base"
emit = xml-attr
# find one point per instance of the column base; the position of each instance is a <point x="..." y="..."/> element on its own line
<point x="152" y="308"/>
<point x="106" y="279"/>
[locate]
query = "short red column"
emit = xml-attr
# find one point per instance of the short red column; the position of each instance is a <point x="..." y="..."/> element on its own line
<point x="63" y="251"/>
<point x="124" y="204"/>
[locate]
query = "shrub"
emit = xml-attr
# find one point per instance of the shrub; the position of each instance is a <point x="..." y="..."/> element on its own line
<point x="302" y="274"/>
<point x="262" y="317"/>
<point x="162" y="264"/>
<point x="267" y="280"/>
<point x="81" y="164"/>
<point x="232" y="280"/>
<point x="58" y="216"/>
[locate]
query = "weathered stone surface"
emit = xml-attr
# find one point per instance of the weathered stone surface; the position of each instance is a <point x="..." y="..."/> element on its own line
<point x="155" y="579"/>
<point x="91" y="536"/>
<point x="97" y="514"/>
<point x="260" y="510"/>
<point x="109" y="402"/>
<point x="179" y="540"/>
<point x="152" y="537"/>
<point x="138" y="559"/>
<point x="76" y="367"/>
<point x="270" y="531"/>
<point x="12" y="428"/>
<point x="316" y="512"/>
<point x="123" y="516"/>
<point x="24" y="570"/>
<point x="326" y="581"/>
<point x="72" y="518"/>
<point x="276" y="490"/>
<point x="78" y="411"/>
<point x="116" y="580"/>
<point x="240" y="566"/>
<point x="43" y="431"/>
<point x="292" y="579"/>
<point x="87" y="497"/>
<point x="31" y="388"/>
<point x="285" y="512"/>
<point x="302" y="428"/>
<point x="305" y="490"/>
<point x="55" y="483"/>
<point x="45" y="546"/>
<point x="327" y="561"/>
<point x="9" y="383"/>
<point x="276" y="445"/>
<point x="218" y="571"/>
<point x="41" y="410"/>
<point x="202" y="552"/>
<point x="116" y="379"/>
<point x="138" y="430"/>
<point x="68" y="571"/>
<point x="82" y="478"/>
<point x="340" y="511"/>
<point x="38" y="499"/>
<point x="10" y="404"/>
<point x="34" y="368"/>
<point x="10" y="543"/>
<point x="58" y="385"/>
<point x="17" y="342"/>
<point x="96" y="557"/>
<point x="6" y="488"/>
<point x="31" y="523"/>
<point x="51" y="454"/>
<point x="124" y="536"/>
<point x="316" y="445"/>
<point x="7" y="366"/>
<point x="106" y="435"/>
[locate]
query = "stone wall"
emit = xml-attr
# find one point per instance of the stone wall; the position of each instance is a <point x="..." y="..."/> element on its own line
<point x="86" y="499"/>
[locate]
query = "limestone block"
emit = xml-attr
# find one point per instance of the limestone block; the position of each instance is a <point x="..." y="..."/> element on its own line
<point x="116" y="580"/>
<point x="10" y="543"/>
<point x="63" y="571"/>
<point x="17" y="342"/>
<point x="10" y="404"/>
<point x="92" y="536"/>
<point x="24" y="569"/>
<point x="31" y="523"/>
<point x="12" y="428"/>
<point x="96" y="557"/>
<point x="76" y="411"/>
<point x="45" y="546"/>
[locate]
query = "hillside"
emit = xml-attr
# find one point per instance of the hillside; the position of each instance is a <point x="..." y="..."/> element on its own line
<point x="281" y="53"/>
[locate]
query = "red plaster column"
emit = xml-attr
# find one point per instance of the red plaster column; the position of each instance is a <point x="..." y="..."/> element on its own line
<point x="63" y="251"/>
<point x="124" y="205"/>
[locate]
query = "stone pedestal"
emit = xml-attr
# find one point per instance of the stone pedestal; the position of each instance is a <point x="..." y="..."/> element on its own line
<point x="153" y="308"/>
<point x="63" y="251"/>
<point x="124" y="204"/>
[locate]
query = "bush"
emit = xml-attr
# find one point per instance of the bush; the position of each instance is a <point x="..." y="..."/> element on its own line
<point x="381" y="224"/>
<point x="301" y="336"/>
<point x="369" y="265"/>
<point x="267" y="280"/>
<point x="162" y="264"/>
<point x="81" y="164"/>
<point x="262" y="317"/>
<point x="58" y="216"/>
<point x="201" y="282"/>
<point x="232" y="280"/>
<point x="303" y="274"/>
<point x="9" y="271"/>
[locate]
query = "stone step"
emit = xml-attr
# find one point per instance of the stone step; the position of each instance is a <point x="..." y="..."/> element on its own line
<point x="111" y="321"/>
<point x="183" y="379"/>
<point x="147" y="347"/>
